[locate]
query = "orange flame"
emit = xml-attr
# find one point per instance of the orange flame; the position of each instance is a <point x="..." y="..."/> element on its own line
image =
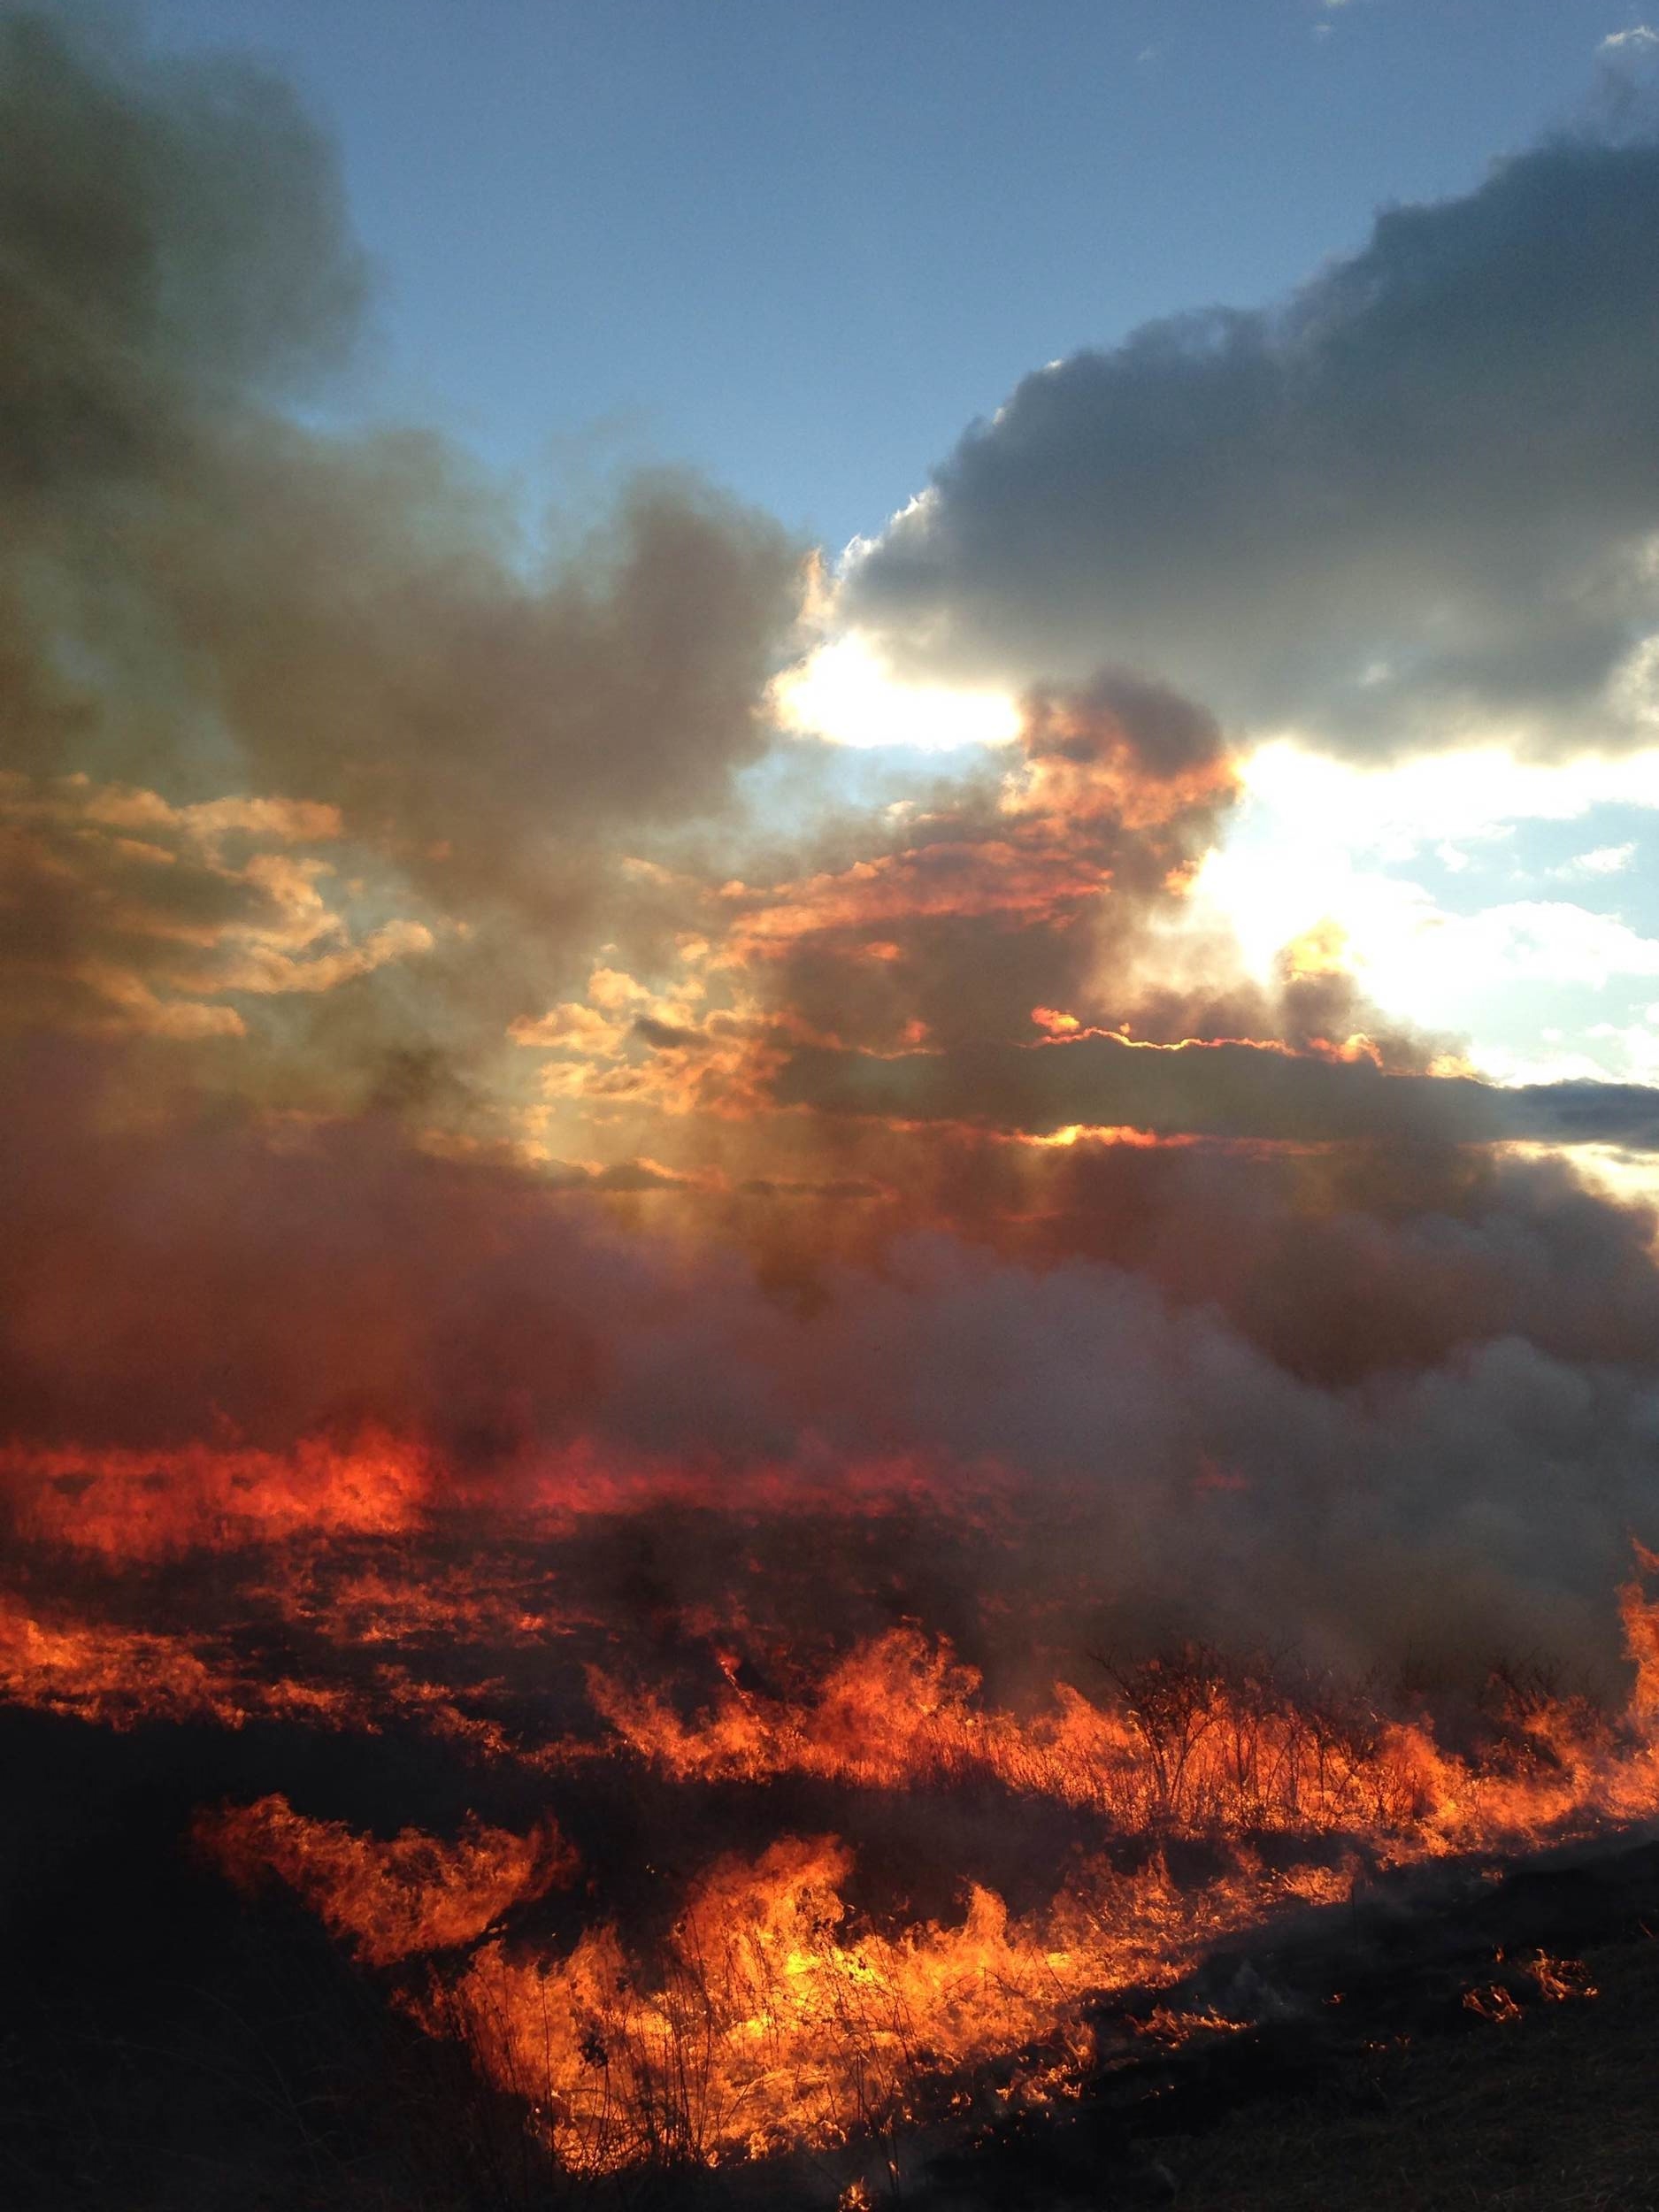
<point x="773" y="2015"/>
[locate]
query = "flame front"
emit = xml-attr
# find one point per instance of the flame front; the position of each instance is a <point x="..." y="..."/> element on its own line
<point x="778" y="1998"/>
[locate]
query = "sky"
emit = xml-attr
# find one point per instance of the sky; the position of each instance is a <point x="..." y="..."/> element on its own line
<point x="801" y="248"/>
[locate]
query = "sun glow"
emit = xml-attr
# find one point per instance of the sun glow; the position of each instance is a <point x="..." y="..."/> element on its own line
<point x="1323" y="846"/>
<point x="845" y="692"/>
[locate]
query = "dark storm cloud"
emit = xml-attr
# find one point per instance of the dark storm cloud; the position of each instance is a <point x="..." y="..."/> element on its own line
<point x="1420" y="498"/>
<point x="1225" y="1089"/>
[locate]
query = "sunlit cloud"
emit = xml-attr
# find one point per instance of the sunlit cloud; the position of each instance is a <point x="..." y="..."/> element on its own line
<point x="1605" y="860"/>
<point x="1440" y="798"/>
<point x="1323" y="842"/>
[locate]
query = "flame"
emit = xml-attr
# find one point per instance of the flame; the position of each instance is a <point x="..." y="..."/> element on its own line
<point x="778" y="2005"/>
<point x="776" y="2014"/>
<point x="1188" y="1748"/>
<point x="390" y="1900"/>
<point x="140" y="1505"/>
<point x="768" y="2020"/>
<point x="131" y="1507"/>
<point x="1559" y="1980"/>
<point x="1491" y="2000"/>
<point x="113" y="1675"/>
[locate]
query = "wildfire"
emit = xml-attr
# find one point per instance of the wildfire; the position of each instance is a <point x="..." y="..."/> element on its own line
<point x="134" y="1505"/>
<point x="632" y="1352"/>
<point x="390" y="1900"/>
<point x="1186" y="1747"/>
<point x="778" y="1996"/>
<point x="776" y="2012"/>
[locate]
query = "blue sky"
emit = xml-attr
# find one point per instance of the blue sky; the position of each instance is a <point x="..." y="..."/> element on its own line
<point x="801" y="246"/>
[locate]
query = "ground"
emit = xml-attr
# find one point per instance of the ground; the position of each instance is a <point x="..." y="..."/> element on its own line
<point x="1557" y="2111"/>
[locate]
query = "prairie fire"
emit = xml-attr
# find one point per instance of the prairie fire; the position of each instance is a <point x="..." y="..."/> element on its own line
<point x="722" y="1465"/>
<point x="772" y="2013"/>
<point x="819" y="1919"/>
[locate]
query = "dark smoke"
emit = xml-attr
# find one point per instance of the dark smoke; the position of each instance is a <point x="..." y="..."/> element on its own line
<point x="1316" y="515"/>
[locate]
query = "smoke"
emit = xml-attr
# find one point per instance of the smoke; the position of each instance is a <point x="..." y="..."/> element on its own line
<point x="199" y="596"/>
<point x="1432" y="1431"/>
<point x="419" y="1025"/>
<point x="1218" y="1089"/>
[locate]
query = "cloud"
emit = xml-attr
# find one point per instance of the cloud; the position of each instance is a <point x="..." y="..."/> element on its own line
<point x="121" y="914"/>
<point x="1477" y="793"/>
<point x="1017" y="890"/>
<point x="1634" y="40"/>
<point x="1032" y="880"/>
<point x="1312" y="517"/>
<point x="1603" y="860"/>
<point x="840" y="691"/>
<point x="1223" y="1089"/>
<point x="1538" y="941"/>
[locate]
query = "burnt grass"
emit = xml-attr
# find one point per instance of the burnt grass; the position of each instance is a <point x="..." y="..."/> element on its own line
<point x="1556" y="2113"/>
<point x="1368" y="2079"/>
<point x="167" y="2045"/>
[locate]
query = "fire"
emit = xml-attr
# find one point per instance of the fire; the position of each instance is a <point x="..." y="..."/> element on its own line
<point x="108" y="1674"/>
<point x="1186" y="1747"/>
<point x="1552" y="1980"/>
<point x="785" y="1994"/>
<point x="768" y="2018"/>
<point x="627" y="1348"/>
<point x="778" y="2009"/>
<point x="136" y="1505"/>
<point x="801" y="2027"/>
<point x="1640" y="1623"/>
<point x="390" y="1900"/>
<point x="1560" y="1979"/>
<point x="774" y="2018"/>
<point x="130" y="1507"/>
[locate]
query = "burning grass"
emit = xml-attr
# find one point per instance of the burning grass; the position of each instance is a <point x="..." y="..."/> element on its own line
<point x="773" y="2008"/>
<point x="697" y="1893"/>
